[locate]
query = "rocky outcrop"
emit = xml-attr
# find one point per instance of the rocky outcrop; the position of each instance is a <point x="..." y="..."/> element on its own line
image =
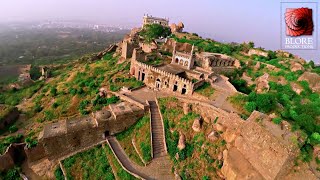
<point x="313" y="79"/>
<point x="262" y="83"/>
<point x="294" y="66"/>
<point x="257" y="52"/>
<point x="177" y="27"/>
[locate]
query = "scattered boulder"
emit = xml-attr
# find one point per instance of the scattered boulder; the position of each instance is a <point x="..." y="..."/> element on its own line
<point x="213" y="136"/>
<point x="182" y="141"/>
<point x="186" y="108"/>
<point x="102" y="92"/>
<point x="196" y="126"/>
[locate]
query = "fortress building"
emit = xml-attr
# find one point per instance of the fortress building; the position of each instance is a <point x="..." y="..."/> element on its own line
<point x="155" y="20"/>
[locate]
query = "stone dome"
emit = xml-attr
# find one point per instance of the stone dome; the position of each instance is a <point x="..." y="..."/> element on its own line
<point x="104" y="114"/>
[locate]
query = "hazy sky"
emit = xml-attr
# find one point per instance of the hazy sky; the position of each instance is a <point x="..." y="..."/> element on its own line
<point x="222" y="20"/>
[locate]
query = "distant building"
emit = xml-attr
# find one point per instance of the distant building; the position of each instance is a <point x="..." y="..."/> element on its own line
<point x="155" y="20"/>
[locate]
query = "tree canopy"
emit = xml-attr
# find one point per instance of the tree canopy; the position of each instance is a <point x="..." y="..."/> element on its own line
<point x="154" y="31"/>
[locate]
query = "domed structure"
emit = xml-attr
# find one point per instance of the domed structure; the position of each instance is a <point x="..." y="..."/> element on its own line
<point x="102" y="115"/>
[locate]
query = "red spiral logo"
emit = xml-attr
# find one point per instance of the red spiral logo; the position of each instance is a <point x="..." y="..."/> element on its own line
<point x="299" y="21"/>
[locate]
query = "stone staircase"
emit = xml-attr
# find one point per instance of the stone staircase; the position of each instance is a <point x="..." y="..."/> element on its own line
<point x="158" y="144"/>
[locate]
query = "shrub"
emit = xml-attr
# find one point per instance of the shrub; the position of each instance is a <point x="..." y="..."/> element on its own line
<point x="31" y="142"/>
<point x="250" y="106"/>
<point x="53" y="91"/>
<point x="58" y="174"/>
<point x="315" y="138"/>
<point x="277" y="120"/>
<point x="13" y="129"/>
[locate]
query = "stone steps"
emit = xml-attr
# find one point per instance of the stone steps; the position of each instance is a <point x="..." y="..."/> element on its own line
<point x="158" y="145"/>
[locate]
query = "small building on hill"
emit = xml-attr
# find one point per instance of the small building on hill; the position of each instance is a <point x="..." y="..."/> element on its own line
<point x="147" y="19"/>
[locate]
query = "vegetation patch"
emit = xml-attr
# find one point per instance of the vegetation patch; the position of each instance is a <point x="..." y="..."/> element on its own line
<point x="117" y="168"/>
<point x="91" y="164"/>
<point x="205" y="90"/>
<point x="140" y="132"/>
<point x="5" y="142"/>
<point x="200" y="156"/>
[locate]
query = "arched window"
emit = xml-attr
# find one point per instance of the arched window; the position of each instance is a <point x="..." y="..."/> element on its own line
<point x="186" y="63"/>
<point x="177" y="60"/>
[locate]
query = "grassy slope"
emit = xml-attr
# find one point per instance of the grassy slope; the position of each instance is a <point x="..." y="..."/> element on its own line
<point x="72" y="91"/>
<point x="91" y="164"/>
<point x="141" y="133"/>
<point x="199" y="159"/>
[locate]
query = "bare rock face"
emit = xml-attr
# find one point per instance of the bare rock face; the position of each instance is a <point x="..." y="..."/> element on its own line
<point x="196" y="126"/>
<point x="182" y="141"/>
<point x="213" y="136"/>
<point x="262" y="83"/>
<point x="186" y="108"/>
<point x="296" y="67"/>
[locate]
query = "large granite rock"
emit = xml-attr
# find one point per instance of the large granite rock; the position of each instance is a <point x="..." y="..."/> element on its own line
<point x="196" y="126"/>
<point x="182" y="141"/>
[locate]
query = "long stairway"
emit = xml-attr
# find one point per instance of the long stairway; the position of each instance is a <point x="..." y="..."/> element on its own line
<point x="158" y="144"/>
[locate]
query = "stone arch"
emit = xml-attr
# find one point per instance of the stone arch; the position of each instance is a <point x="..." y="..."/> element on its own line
<point x="181" y="62"/>
<point x="177" y="60"/>
<point x="186" y="63"/>
<point x="158" y="83"/>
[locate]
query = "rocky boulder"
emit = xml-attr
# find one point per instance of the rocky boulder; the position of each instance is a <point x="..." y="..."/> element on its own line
<point x="186" y="108"/>
<point x="196" y="126"/>
<point x="182" y="141"/>
<point x="213" y="136"/>
<point x="177" y="27"/>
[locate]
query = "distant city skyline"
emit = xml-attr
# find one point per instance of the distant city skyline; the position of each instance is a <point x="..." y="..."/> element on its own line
<point x="225" y="21"/>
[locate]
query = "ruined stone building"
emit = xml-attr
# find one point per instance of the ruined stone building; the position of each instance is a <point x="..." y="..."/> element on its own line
<point x="155" y="20"/>
<point x="183" y="59"/>
<point x="69" y="135"/>
<point x="216" y="62"/>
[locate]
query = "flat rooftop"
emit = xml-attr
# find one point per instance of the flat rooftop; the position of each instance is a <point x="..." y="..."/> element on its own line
<point x="172" y="68"/>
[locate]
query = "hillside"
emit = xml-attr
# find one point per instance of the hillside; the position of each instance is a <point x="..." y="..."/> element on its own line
<point x="215" y="100"/>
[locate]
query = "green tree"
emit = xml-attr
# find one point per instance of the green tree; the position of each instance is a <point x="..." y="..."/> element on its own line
<point x="251" y="44"/>
<point x="35" y="72"/>
<point x="154" y="31"/>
